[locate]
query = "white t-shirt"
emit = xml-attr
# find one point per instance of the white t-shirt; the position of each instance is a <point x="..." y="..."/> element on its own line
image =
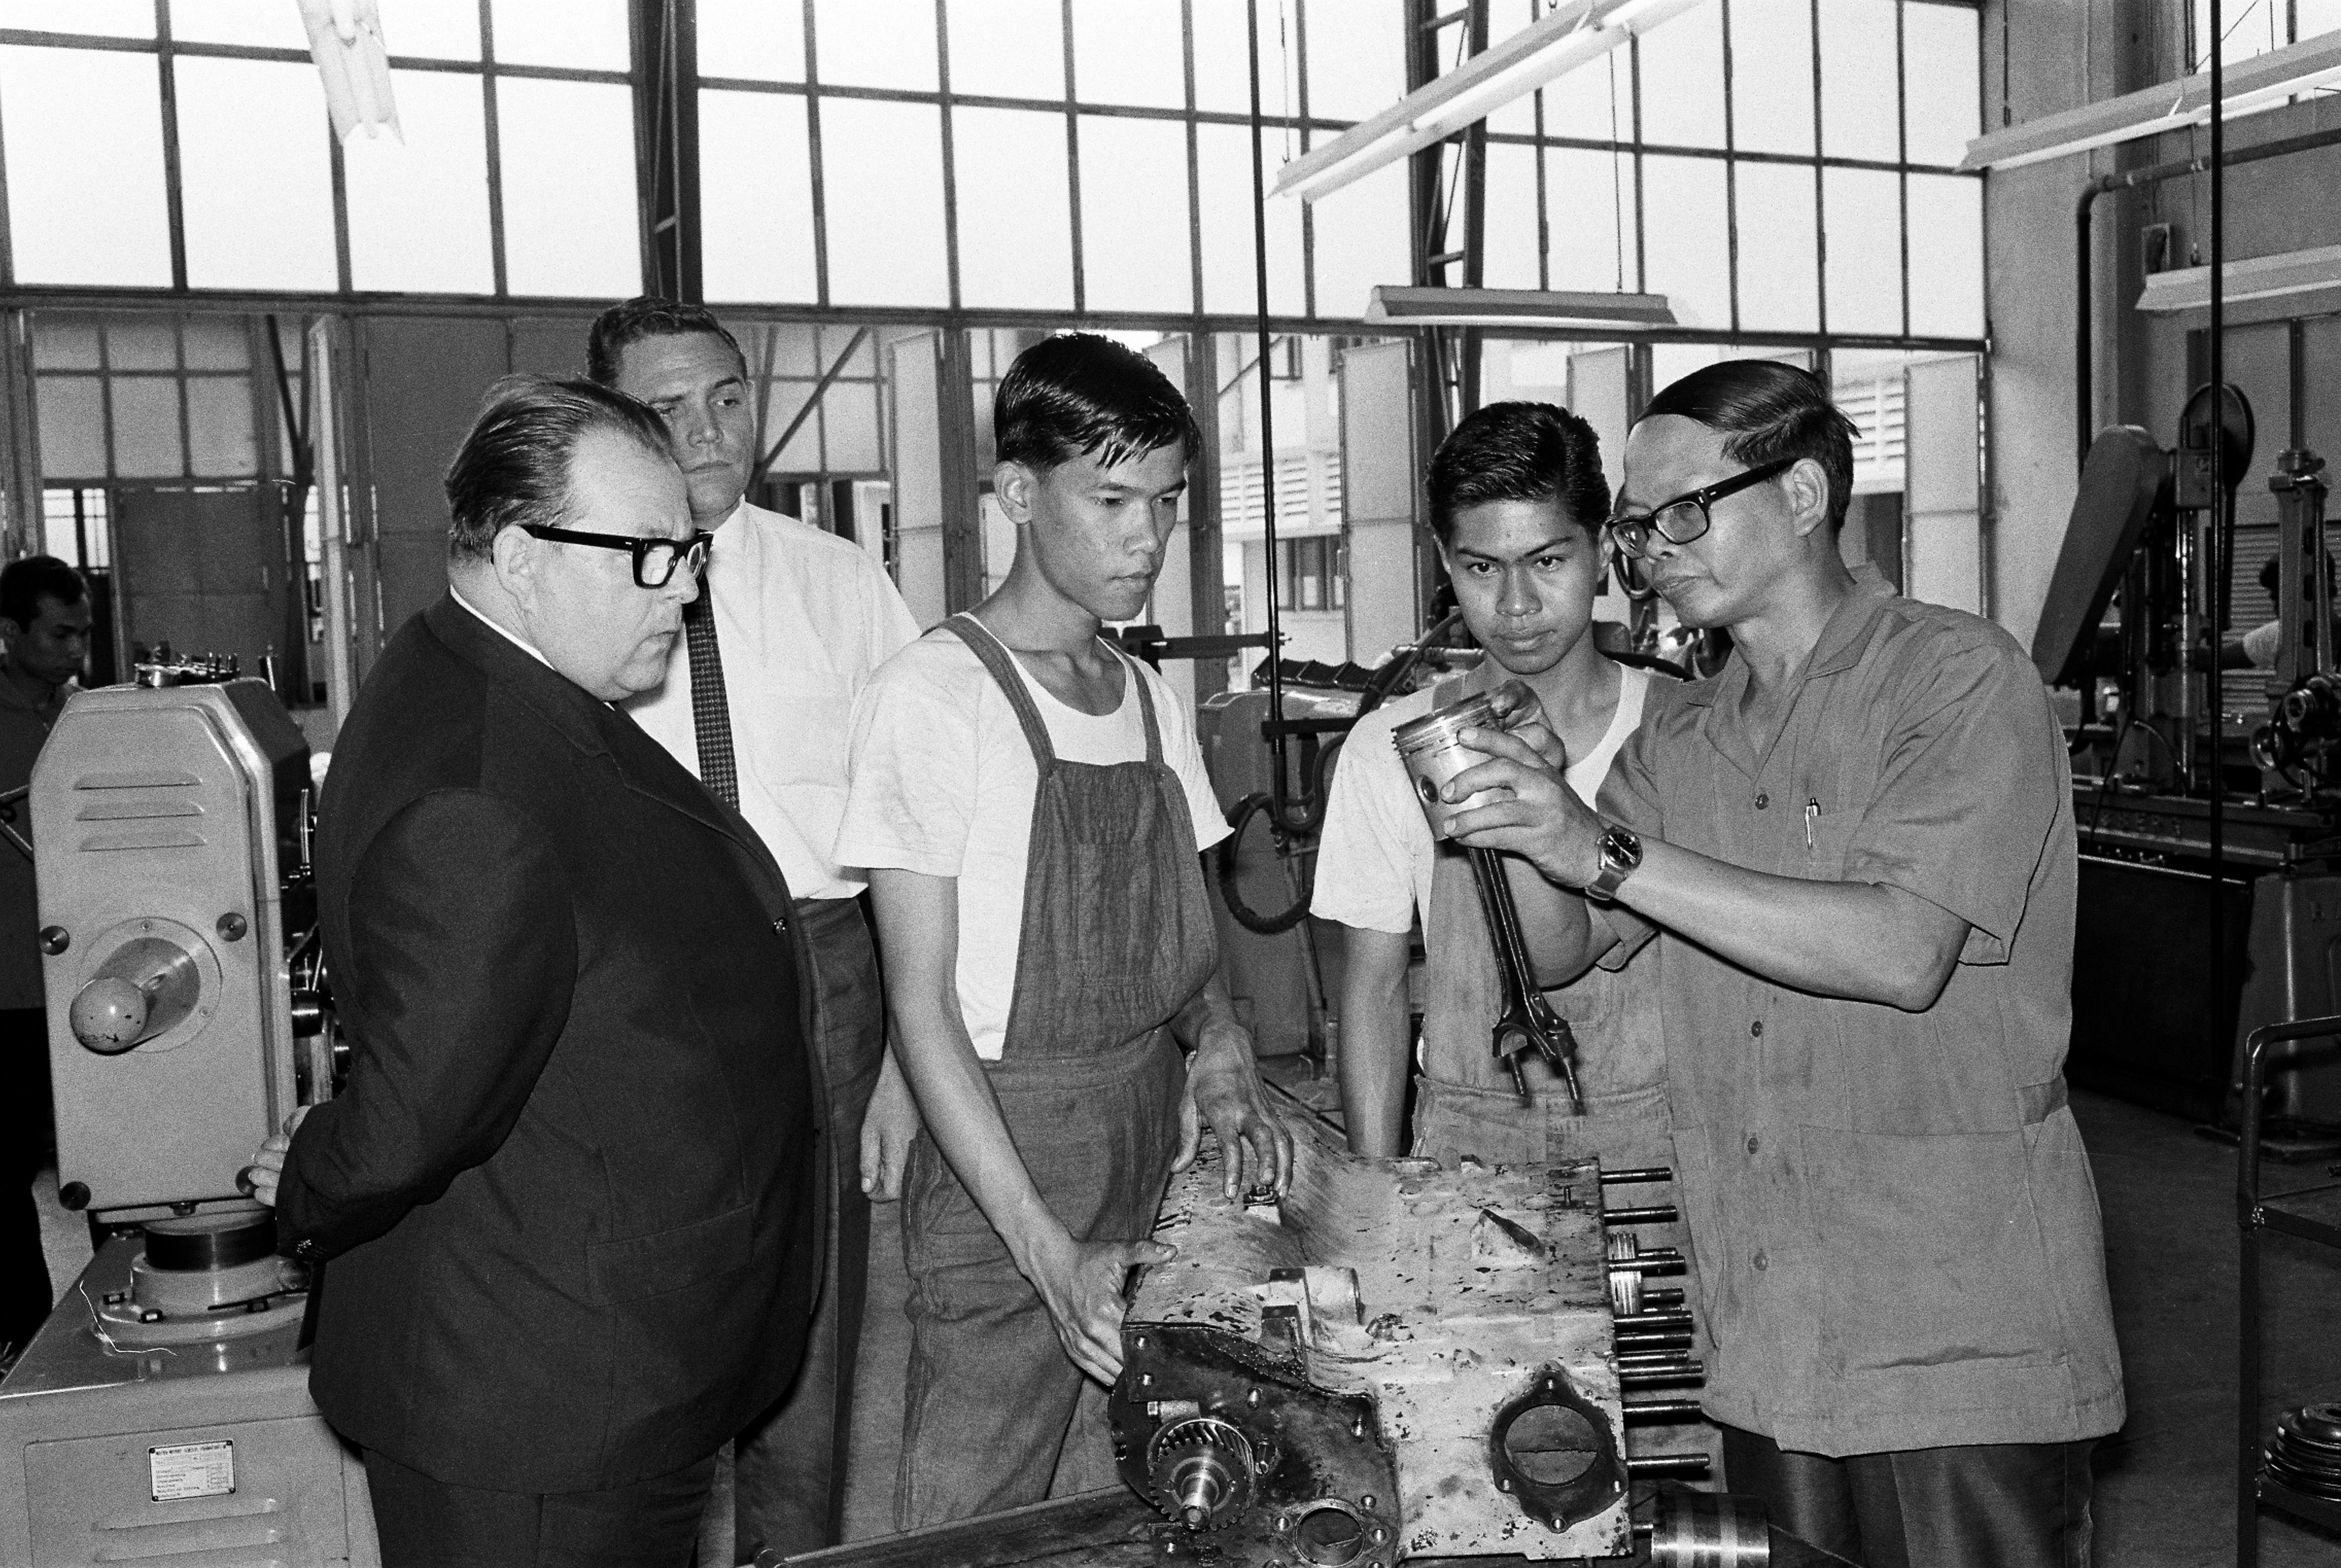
<point x="1375" y="855"/>
<point x="943" y="783"/>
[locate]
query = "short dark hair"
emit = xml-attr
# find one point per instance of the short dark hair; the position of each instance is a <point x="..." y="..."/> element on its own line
<point x="1765" y="412"/>
<point x="1077" y="395"/>
<point x="648" y="316"/>
<point x="513" y="466"/>
<point x="1519" y="451"/>
<point x="24" y="583"/>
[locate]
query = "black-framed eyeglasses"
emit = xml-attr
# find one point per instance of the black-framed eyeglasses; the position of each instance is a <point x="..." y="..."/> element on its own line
<point x="1685" y="517"/>
<point x="654" y="557"/>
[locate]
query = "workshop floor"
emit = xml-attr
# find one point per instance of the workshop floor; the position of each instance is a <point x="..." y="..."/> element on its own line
<point x="2165" y="1483"/>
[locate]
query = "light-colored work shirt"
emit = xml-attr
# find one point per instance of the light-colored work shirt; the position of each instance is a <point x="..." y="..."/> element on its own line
<point x="945" y="784"/>
<point x="804" y="618"/>
<point x="1375" y="855"/>
<point x="1895" y="1228"/>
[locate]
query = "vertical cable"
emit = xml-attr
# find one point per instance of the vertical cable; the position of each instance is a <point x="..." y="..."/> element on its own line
<point x="1267" y="423"/>
<point x="2216" y="556"/>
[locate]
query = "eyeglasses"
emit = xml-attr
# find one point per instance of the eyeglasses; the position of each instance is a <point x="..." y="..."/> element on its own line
<point x="654" y="557"/>
<point x="1686" y="518"/>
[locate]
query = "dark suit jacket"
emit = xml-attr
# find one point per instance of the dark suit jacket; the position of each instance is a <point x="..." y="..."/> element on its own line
<point x="570" y="1194"/>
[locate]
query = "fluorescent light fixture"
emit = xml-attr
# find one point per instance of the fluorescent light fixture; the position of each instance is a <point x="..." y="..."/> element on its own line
<point x="1550" y="47"/>
<point x="1516" y="308"/>
<point x="2259" y="278"/>
<point x="2265" y="82"/>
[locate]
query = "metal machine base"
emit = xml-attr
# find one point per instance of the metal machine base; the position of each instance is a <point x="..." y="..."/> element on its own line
<point x="205" y="1451"/>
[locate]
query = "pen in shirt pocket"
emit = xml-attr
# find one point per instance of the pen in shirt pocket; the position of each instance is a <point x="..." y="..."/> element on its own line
<point x="1812" y="815"/>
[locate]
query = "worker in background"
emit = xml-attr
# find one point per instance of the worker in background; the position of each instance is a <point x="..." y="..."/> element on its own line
<point x="45" y="624"/>
<point x="790" y="625"/>
<point x="571" y="1201"/>
<point x="2257" y="649"/>
<point x="1031" y="802"/>
<point x="1855" y="849"/>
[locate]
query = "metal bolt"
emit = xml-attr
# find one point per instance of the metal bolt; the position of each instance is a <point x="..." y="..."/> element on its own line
<point x="1253" y="1397"/>
<point x="54" y="939"/>
<point x="1368" y="1500"/>
<point x="232" y="925"/>
<point x="1503" y="1484"/>
<point x="1142" y="1342"/>
<point x="1145" y="1380"/>
<point x="1380" y="1533"/>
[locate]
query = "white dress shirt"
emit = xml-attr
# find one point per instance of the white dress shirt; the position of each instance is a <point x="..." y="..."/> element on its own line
<point x="803" y="618"/>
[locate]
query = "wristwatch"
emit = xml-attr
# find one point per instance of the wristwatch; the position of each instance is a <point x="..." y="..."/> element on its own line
<point x="1622" y="855"/>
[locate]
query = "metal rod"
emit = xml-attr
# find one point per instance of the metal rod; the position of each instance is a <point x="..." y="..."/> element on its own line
<point x="1277" y="786"/>
<point x="2219" y="568"/>
<point x="1636" y="1175"/>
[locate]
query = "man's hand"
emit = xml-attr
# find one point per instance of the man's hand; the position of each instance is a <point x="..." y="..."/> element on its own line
<point x="1223" y="1089"/>
<point x="1081" y="1284"/>
<point x="260" y="1178"/>
<point x="887" y="1128"/>
<point x="1522" y="714"/>
<point x="1544" y="821"/>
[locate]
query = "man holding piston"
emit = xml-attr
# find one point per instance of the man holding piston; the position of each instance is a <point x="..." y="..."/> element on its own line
<point x="1855" y="848"/>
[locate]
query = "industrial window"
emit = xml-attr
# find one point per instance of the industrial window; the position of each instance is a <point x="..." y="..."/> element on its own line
<point x="1309" y="574"/>
<point x="1775" y="166"/>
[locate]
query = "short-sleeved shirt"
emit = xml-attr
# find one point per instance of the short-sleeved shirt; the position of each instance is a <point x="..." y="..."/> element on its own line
<point x="1897" y="1231"/>
<point x="1376" y="854"/>
<point x="943" y="783"/>
<point x="803" y="618"/>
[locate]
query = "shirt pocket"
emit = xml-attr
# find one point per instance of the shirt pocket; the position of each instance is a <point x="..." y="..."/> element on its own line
<point x="1933" y="1253"/>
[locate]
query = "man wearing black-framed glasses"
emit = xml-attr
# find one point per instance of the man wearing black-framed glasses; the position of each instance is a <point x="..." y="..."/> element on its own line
<point x="570" y="1203"/>
<point x="1855" y="849"/>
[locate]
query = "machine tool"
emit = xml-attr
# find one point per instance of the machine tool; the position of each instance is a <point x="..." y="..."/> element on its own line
<point x="2129" y="624"/>
<point x="1397" y="1359"/>
<point x="162" y="1412"/>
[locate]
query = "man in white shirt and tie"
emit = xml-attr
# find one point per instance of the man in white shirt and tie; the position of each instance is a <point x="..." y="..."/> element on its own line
<point x="789" y="626"/>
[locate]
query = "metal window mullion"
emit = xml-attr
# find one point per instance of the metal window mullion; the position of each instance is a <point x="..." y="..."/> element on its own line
<point x="1732" y="156"/>
<point x="1902" y="153"/>
<point x="1308" y="209"/>
<point x="494" y="149"/>
<point x="1073" y="161"/>
<point x="1820" y="229"/>
<point x="174" y="203"/>
<point x="950" y="161"/>
<point x="179" y="380"/>
<point x="1194" y="161"/>
<point x="106" y="402"/>
<point x="1543" y="196"/>
<point x="814" y="155"/>
<point x="337" y="171"/>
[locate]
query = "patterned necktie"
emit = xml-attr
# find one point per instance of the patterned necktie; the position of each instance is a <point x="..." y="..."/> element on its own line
<point x="711" y="709"/>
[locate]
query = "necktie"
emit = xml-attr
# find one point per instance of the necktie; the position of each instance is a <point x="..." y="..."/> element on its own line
<point x="711" y="709"/>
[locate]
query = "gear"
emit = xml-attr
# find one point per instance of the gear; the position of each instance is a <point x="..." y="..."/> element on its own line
<point x="1202" y="1471"/>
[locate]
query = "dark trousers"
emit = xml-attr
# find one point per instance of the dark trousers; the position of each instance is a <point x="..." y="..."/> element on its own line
<point x="789" y="1468"/>
<point x="1990" y="1505"/>
<point x="28" y="1134"/>
<point x="426" y="1523"/>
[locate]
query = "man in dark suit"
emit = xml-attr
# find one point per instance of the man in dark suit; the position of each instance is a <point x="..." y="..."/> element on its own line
<point x="569" y="1200"/>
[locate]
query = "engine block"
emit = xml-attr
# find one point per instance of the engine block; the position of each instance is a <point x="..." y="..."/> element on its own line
<point x="1397" y="1359"/>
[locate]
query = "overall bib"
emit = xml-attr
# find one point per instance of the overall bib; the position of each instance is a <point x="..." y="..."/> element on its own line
<point x="1466" y="1105"/>
<point x="1116" y="938"/>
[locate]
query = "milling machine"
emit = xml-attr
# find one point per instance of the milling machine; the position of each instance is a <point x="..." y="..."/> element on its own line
<point x="162" y="1412"/>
